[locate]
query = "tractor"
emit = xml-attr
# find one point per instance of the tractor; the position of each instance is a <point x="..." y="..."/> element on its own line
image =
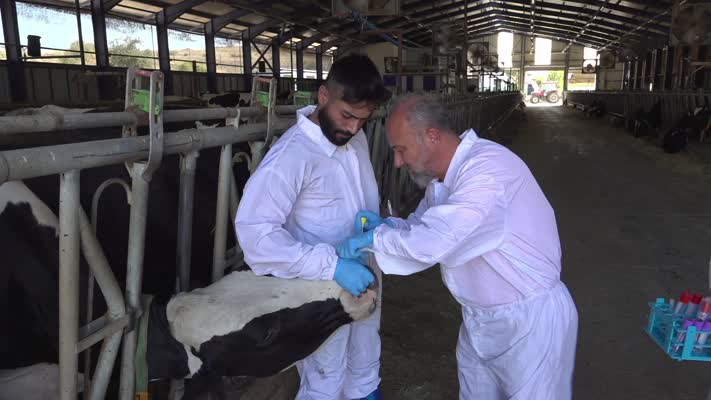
<point x="549" y="92"/>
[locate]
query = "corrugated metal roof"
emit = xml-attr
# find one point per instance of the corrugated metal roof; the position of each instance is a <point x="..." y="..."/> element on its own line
<point x="594" y="23"/>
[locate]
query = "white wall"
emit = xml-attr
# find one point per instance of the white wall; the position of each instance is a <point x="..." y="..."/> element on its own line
<point x="610" y="79"/>
<point x="490" y="39"/>
<point x="377" y="52"/>
<point x="557" y="58"/>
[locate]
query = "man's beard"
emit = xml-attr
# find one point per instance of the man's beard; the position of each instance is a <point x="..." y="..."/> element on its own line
<point x="421" y="180"/>
<point x="329" y="129"/>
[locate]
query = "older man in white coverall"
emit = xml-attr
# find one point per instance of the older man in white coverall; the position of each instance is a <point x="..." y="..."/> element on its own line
<point x="299" y="205"/>
<point x="485" y="220"/>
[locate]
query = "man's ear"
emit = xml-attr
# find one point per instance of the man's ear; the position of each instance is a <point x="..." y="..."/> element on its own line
<point x="323" y="95"/>
<point x="433" y="135"/>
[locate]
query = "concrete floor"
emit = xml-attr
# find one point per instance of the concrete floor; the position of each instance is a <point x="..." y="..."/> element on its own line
<point x="635" y="224"/>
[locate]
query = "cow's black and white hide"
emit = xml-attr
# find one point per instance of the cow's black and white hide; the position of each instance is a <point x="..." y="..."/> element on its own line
<point x="29" y="244"/>
<point x="689" y="127"/>
<point x="246" y="325"/>
<point x="241" y="325"/>
<point x="29" y="247"/>
<point x="648" y="123"/>
<point x="227" y="99"/>
<point x="699" y="120"/>
<point x="597" y="108"/>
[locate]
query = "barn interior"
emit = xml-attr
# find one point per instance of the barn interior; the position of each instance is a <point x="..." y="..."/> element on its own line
<point x="606" y="101"/>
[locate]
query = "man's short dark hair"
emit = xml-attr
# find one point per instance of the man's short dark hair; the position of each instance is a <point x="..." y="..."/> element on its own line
<point x="359" y="79"/>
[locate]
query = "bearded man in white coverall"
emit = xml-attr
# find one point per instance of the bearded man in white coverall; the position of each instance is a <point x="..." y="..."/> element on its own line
<point x="485" y="220"/>
<point x="299" y="205"/>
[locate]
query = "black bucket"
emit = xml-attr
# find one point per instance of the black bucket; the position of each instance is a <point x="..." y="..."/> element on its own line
<point x="34" y="48"/>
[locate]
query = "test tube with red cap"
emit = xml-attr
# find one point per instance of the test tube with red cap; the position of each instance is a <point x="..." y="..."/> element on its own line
<point x="693" y="307"/>
<point x="682" y="304"/>
<point x="704" y="313"/>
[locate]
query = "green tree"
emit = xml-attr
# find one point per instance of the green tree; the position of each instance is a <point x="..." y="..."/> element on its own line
<point x="89" y="59"/>
<point x="124" y="52"/>
<point x="188" y="66"/>
<point x="557" y="77"/>
<point x="514" y="78"/>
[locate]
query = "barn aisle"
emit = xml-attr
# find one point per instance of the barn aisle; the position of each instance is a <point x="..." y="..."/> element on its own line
<point x="635" y="224"/>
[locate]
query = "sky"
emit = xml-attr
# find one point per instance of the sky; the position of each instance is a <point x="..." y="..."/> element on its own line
<point x="59" y="30"/>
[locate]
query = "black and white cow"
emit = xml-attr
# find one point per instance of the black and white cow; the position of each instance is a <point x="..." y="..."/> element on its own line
<point x="242" y="325"/>
<point x="28" y="277"/>
<point x="246" y="325"/>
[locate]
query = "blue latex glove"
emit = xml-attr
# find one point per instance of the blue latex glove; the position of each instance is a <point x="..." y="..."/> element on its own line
<point x="376" y="395"/>
<point x="353" y="276"/>
<point x="349" y="247"/>
<point x="372" y="221"/>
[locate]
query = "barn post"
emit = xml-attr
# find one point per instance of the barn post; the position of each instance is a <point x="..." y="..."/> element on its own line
<point x="68" y="283"/>
<point x="116" y="309"/>
<point x="134" y="274"/>
<point x="188" y="163"/>
<point x="221" y="219"/>
<point x="13" y="51"/>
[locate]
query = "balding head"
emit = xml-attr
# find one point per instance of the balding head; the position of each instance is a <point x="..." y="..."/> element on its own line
<point x="421" y="113"/>
<point x="421" y="136"/>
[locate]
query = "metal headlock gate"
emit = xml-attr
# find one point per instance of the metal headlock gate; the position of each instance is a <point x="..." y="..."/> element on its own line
<point x="626" y="104"/>
<point x="142" y="155"/>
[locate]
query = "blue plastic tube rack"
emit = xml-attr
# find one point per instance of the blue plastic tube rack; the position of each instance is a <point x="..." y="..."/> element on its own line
<point x="667" y="330"/>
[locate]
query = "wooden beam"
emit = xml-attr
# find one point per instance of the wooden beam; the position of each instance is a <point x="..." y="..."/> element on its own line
<point x="550" y="33"/>
<point x="441" y="14"/>
<point x="218" y="23"/>
<point x="171" y="13"/>
<point x="109" y="4"/>
<point x="13" y="50"/>
<point x="306" y="42"/>
<point x="258" y="29"/>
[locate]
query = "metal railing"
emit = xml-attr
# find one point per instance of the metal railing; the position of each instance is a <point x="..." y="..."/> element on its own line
<point x="77" y="232"/>
<point x="482" y="110"/>
<point x="625" y="104"/>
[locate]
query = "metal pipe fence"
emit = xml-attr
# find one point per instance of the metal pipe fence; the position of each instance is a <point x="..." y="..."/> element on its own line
<point x="134" y="274"/>
<point x="626" y="104"/>
<point x="76" y="231"/>
<point x="188" y="164"/>
<point x="68" y="283"/>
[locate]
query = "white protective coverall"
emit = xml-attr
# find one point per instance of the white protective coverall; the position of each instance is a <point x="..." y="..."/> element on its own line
<point x="494" y="234"/>
<point x="299" y="203"/>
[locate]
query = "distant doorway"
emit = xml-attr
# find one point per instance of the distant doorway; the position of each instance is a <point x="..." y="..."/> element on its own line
<point x="544" y="88"/>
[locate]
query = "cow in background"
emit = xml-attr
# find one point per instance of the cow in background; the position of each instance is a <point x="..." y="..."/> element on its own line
<point x="28" y="277"/>
<point x="648" y="123"/>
